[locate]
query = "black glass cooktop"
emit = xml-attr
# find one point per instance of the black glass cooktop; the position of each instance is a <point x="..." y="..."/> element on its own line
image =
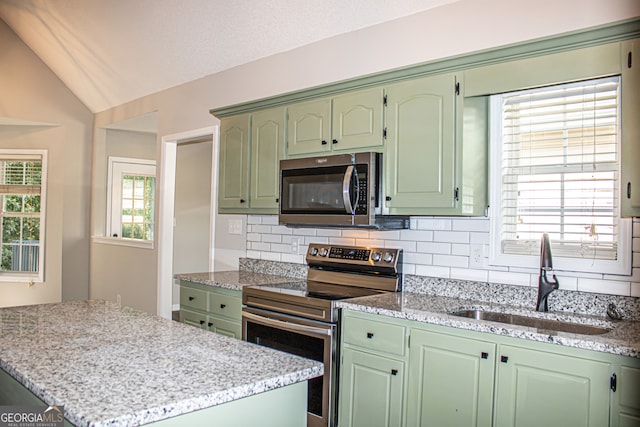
<point x="317" y="290"/>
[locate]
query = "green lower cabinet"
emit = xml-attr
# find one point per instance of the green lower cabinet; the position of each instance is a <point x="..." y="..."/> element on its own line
<point x="214" y="309"/>
<point x="397" y="372"/>
<point x="371" y="390"/>
<point x="450" y="381"/>
<point x="535" y="388"/>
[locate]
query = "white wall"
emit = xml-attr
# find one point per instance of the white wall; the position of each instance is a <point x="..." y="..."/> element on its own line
<point x="461" y="27"/>
<point x="31" y="92"/>
<point x="192" y="213"/>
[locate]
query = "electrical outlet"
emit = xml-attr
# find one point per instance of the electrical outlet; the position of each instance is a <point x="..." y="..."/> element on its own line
<point x="476" y="255"/>
<point x="235" y="226"/>
<point x="295" y="245"/>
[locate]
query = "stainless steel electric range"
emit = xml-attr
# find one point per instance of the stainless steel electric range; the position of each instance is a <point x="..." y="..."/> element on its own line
<point x="301" y="317"/>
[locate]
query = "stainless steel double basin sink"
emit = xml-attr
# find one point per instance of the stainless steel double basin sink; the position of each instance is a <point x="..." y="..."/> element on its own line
<point x="532" y="322"/>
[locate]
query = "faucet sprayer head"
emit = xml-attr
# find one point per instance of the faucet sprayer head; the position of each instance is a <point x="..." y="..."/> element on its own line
<point x="546" y="262"/>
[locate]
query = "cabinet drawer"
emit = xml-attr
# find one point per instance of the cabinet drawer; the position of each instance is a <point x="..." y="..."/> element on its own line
<point x="379" y="336"/>
<point x="225" y="305"/>
<point x="194" y="319"/>
<point x="193" y="298"/>
<point x="225" y="327"/>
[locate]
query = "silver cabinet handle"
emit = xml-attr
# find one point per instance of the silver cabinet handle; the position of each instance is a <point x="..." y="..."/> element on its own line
<point x="346" y="190"/>
<point x="286" y="326"/>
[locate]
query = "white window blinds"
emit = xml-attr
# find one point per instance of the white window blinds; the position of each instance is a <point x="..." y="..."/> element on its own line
<point x="560" y="168"/>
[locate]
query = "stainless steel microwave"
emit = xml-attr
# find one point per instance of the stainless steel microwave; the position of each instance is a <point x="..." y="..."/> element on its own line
<point x="342" y="190"/>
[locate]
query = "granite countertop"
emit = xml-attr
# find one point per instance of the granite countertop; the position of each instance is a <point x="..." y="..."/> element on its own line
<point x="117" y="366"/>
<point x="234" y="280"/>
<point x="623" y="339"/>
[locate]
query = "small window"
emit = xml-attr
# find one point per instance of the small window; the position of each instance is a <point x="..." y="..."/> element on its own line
<point x="555" y="166"/>
<point x="22" y="218"/>
<point x="131" y="199"/>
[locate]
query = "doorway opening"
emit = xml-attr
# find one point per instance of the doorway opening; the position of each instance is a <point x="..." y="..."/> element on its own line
<point x="188" y="143"/>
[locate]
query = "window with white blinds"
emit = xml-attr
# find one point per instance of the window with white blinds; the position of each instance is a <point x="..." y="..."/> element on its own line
<point x="22" y="201"/>
<point x="558" y="172"/>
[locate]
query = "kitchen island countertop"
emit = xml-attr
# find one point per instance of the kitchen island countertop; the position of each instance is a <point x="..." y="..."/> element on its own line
<point x="117" y="366"/>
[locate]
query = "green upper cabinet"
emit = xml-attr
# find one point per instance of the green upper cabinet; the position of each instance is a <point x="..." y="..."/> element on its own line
<point x="450" y="380"/>
<point x="535" y="388"/>
<point x="233" y="186"/>
<point x="251" y="147"/>
<point x="436" y="154"/>
<point x="630" y="172"/>
<point x="347" y="122"/>
<point x="420" y="155"/>
<point x="267" y="149"/>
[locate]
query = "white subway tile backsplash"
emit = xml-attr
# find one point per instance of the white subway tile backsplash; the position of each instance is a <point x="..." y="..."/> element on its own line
<point x="270" y="219"/>
<point x="417" y="235"/>
<point x="271" y="238"/>
<point x="451" y="260"/>
<point x="469" y="274"/>
<point x="460" y="249"/>
<point x="433" y="271"/>
<point x="327" y="232"/>
<point x="471" y="224"/>
<point x="439" y="224"/>
<point x="604" y="286"/>
<point x="342" y="241"/>
<point x="451" y="236"/>
<point x="418" y="258"/>
<point x="373" y="243"/>
<point x="270" y="256"/>
<point x="386" y="235"/>
<point x="434" y="246"/>
<point x="508" y="278"/>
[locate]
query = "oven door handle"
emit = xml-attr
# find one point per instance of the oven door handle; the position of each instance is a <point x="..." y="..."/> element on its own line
<point x="349" y="201"/>
<point x="287" y="326"/>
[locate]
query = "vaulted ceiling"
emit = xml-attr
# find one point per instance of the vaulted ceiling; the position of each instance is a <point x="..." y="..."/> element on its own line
<point x="109" y="52"/>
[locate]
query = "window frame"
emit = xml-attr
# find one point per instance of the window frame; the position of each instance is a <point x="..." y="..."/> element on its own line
<point x="620" y="266"/>
<point x="117" y="167"/>
<point x="39" y="276"/>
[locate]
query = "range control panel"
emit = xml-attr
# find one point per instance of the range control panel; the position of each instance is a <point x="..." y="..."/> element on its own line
<point x="353" y="254"/>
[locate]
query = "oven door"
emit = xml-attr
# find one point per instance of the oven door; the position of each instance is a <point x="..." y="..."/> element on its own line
<point x="302" y="337"/>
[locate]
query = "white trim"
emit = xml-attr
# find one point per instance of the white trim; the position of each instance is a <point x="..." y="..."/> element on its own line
<point x="119" y="241"/>
<point x="41" y="155"/>
<point x="166" y="188"/>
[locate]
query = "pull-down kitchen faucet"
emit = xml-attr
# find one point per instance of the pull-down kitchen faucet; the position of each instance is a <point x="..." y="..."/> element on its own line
<point x="545" y="286"/>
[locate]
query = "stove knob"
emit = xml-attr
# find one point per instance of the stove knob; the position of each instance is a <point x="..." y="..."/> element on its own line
<point x="324" y="252"/>
<point x="313" y="251"/>
<point x="376" y="256"/>
<point x="388" y="257"/>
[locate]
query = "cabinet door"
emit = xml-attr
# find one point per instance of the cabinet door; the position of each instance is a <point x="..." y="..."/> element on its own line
<point x="309" y="127"/>
<point x="420" y="152"/>
<point x="450" y="381"/>
<point x="267" y="149"/>
<point x="357" y="120"/>
<point x="370" y="390"/>
<point x="534" y="388"/>
<point x="192" y="318"/>
<point x="233" y="190"/>
<point x="225" y="327"/>
<point x="630" y="109"/>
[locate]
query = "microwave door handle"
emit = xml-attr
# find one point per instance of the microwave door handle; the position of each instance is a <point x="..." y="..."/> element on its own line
<point x="350" y="206"/>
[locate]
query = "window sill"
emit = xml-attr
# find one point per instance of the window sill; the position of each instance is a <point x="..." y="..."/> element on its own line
<point x="118" y="241"/>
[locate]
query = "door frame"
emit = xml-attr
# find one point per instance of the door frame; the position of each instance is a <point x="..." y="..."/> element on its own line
<point x="166" y="205"/>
